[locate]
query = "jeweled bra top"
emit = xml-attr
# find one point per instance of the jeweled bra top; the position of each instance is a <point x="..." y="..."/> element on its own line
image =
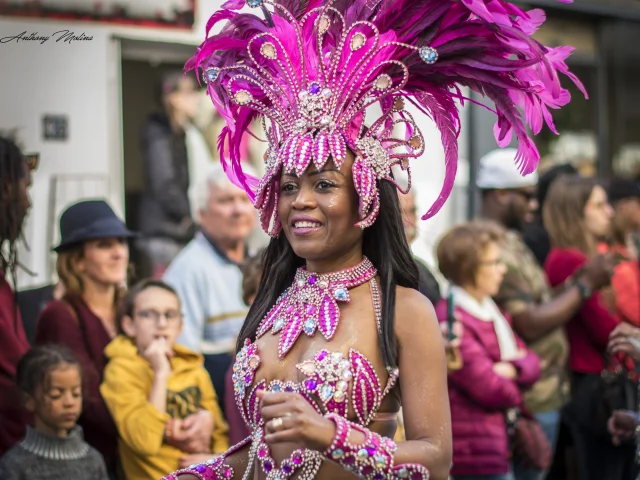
<point x="332" y="380"/>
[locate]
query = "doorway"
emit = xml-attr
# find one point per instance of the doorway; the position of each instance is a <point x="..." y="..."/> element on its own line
<point x="143" y="64"/>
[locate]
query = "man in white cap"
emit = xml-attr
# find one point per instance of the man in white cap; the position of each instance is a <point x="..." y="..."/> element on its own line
<point x="509" y="199"/>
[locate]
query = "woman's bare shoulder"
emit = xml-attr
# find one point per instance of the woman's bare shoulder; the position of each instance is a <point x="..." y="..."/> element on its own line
<point x="414" y="312"/>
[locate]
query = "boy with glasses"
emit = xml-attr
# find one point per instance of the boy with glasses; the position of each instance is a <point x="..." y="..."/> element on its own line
<point x="159" y="394"/>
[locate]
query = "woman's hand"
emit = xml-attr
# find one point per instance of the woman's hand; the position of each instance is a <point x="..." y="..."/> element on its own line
<point x="191" y="435"/>
<point x="625" y="338"/>
<point x="622" y="426"/>
<point x="289" y="418"/>
<point x="505" y="370"/>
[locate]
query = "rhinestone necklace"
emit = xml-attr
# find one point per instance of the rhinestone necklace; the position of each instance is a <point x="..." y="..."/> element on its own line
<point x="311" y="304"/>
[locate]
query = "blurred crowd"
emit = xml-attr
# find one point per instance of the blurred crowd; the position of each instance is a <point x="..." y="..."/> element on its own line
<point x="105" y="378"/>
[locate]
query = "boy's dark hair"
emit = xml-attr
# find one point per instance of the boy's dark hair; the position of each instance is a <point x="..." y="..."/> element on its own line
<point x="130" y="300"/>
<point x="34" y="367"/>
<point x="251" y="274"/>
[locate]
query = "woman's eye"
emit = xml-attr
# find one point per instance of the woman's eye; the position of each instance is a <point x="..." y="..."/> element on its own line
<point x="288" y="187"/>
<point x="324" y="185"/>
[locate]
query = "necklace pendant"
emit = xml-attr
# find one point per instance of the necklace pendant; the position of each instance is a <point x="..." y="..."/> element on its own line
<point x="311" y="304"/>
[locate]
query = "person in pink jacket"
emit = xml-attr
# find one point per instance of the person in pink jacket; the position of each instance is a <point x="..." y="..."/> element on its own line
<point x="496" y="365"/>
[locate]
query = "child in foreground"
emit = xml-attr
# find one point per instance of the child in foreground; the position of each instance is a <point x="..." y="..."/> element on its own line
<point x="54" y="449"/>
<point x="156" y="390"/>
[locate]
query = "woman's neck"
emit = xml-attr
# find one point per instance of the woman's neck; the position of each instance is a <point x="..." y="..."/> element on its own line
<point x="336" y="264"/>
<point x="474" y="292"/>
<point x="100" y="298"/>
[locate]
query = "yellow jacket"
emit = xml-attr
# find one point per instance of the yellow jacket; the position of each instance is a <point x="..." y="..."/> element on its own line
<point x="126" y="387"/>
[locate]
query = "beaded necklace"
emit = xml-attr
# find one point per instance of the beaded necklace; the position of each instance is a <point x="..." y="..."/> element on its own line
<point x="311" y="304"/>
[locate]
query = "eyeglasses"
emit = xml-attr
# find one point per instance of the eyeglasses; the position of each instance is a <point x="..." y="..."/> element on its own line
<point x="172" y="317"/>
<point x="32" y="160"/>
<point x="492" y="263"/>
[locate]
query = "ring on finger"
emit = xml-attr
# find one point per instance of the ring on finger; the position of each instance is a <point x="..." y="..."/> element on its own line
<point x="277" y="424"/>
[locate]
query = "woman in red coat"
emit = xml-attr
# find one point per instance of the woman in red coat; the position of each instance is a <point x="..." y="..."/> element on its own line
<point x="497" y="366"/>
<point x="92" y="263"/>
<point x="577" y="215"/>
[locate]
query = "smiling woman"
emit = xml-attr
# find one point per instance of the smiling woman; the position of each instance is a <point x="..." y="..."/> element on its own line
<point x="92" y="263"/>
<point x="337" y="323"/>
<point x="318" y="207"/>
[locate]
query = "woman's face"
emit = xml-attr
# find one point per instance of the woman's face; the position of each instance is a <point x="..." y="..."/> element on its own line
<point x="598" y="213"/>
<point x="105" y="260"/>
<point x="318" y="212"/>
<point x="490" y="271"/>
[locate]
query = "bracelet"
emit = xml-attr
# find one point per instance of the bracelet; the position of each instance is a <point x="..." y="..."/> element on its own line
<point x="372" y="459"/>
<point x="214" y="469"/>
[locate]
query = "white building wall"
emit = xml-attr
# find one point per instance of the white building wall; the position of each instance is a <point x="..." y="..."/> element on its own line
<point x="82" y="81"/>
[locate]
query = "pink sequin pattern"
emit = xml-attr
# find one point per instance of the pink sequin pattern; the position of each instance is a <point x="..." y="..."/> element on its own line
<point x="311" y="304"/>
<point x="214" y="469"/>
<point x="373" y="458"/>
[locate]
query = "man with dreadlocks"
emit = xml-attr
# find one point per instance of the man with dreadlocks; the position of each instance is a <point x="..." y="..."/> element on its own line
<point x="15" y="178"/>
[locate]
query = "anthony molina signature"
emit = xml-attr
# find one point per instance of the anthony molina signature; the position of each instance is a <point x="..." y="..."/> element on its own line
<point x="64" y="36"/>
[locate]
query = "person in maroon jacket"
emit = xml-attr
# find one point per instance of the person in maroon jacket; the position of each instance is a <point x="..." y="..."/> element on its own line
<point x="93" y="257"/>
<point x="15" y="179"/>
<point x="577" y="216"/>
<point x="496" y="364"/>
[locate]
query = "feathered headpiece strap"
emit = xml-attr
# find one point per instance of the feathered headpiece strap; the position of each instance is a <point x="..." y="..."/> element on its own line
<point x="312" y="70"/>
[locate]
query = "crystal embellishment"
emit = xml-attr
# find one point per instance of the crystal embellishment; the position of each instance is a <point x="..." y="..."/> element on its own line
<point x="323" y="24"/>
<point x="268" y="50"/>
<point x="243" y="97"/>
<point x="428" y="55"/>
<point x="376" y="154"/>
<point x="254" y="3"/>
<point x="210" y="74"/>
<point x="358" y="41"/>
<point x="341" y="294"/>
<point x="383" y="82"/>
<point x="311" y="303"/>
<point x="310" y="326"/>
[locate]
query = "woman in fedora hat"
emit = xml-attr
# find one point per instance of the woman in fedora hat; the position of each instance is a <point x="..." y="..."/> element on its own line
<point x="93" y="257"/>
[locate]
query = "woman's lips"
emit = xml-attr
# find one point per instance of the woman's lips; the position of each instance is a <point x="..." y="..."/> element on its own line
<point x="305" y="227"/>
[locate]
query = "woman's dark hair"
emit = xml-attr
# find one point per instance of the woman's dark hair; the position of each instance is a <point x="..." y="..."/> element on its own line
<point x="129" y="302"/>
<point x="251" y="273"/>
<point x="34" y="367"/>
<point x="384" y="243"/>
<point x="12" y="169"/>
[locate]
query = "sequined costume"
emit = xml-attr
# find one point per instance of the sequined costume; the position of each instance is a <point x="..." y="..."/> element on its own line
<point x="326" y="77"/>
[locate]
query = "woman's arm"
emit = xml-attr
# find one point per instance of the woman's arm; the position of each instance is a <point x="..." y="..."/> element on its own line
<point x="478" y="379"/>
<point x="57" y="324"/>
<point x="425" y="403"/>
<point x="425" y="398"/>
<point x="231" y="465"/>
<point x="595" y="318"/>
<point x="528" y="367"/>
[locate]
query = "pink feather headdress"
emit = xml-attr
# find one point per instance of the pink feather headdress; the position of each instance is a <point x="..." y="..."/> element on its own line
<point x="312" y="69"/>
